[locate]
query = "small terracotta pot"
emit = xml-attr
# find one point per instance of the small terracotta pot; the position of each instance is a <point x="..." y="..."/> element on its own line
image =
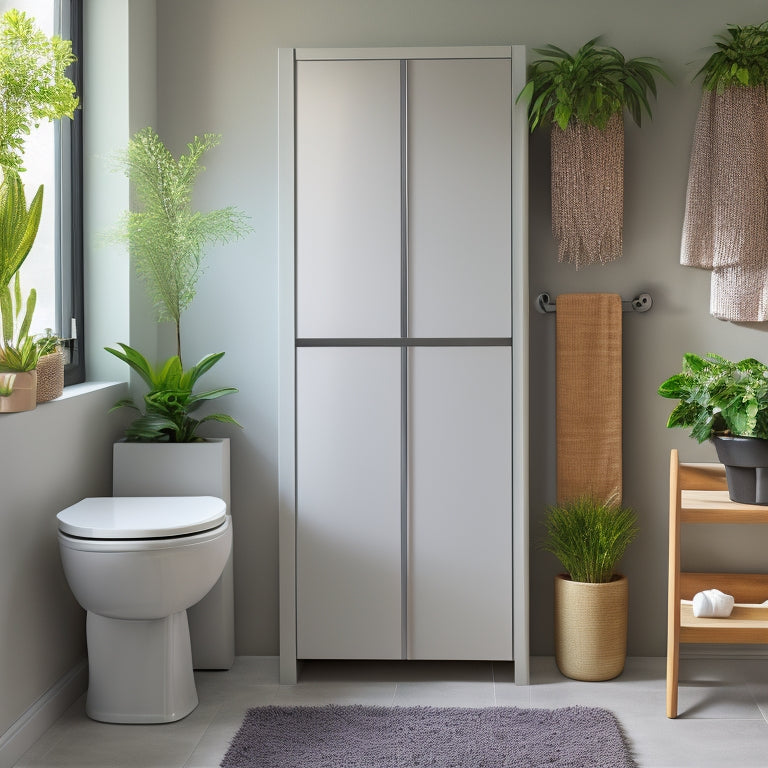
<point x="24" y="395"/>
<point x="591" y="627"/>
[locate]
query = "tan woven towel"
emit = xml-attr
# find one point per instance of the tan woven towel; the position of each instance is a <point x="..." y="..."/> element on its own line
<point x="589" y="396"/>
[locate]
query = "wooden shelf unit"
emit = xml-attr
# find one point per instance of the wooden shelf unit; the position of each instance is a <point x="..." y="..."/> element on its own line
<point x="698" y="494"/>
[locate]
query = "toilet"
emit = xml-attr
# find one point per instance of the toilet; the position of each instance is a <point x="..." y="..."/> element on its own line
<point x="136" y="564"/>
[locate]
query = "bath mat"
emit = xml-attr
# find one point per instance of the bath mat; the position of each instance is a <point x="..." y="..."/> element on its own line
<point x="406" y="737"/>
<point x="589" y="396"/>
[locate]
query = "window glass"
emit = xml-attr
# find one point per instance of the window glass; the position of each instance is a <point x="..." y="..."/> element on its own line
<point x="52" y="267"/>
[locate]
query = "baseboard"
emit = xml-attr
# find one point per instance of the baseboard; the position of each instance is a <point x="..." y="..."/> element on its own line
<point x="43" y="714"/>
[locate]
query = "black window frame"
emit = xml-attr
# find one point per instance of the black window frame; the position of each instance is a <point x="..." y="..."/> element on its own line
<point x="69" y="174"/>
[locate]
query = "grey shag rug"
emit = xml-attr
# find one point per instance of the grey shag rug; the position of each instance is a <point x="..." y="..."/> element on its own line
<point x="406" y="737"/>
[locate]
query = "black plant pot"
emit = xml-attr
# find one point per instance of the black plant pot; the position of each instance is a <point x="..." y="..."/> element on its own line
<point x="746" y="467"/>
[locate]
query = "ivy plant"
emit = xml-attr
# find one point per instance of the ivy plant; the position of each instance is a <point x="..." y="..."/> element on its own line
<point x="591" y="85"/>
<point x="741" y="58"/>
<point x="719" y="397"/>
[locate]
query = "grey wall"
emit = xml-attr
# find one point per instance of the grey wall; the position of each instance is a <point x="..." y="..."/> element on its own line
<point x="217" y="71"/>
<point x="52" y="457"/>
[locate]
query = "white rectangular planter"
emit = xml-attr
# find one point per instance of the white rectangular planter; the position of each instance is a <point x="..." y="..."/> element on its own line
<point x="187" y="469"/>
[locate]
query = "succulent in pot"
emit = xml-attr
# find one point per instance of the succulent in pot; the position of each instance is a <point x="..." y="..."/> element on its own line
<point x="166" y="238"/>
<point x="727" y="402"/>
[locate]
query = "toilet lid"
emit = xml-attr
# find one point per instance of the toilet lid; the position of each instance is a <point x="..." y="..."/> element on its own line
<point x="142" y="517"/>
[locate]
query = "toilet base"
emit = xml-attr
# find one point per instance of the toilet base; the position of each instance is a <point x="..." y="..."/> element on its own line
<point x="140" y="670"/>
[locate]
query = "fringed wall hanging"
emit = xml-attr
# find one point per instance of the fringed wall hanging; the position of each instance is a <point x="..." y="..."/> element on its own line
<point x="726" y="213"/>
<point x="583" y="97"/>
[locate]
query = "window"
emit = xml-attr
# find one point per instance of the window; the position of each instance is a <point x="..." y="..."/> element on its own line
<point x="53" y="157"/>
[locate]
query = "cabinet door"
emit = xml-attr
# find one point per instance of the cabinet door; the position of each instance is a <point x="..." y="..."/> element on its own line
<point x="459" y="201"/>
<point x="348" y="558"/>
<point x="460" y="503"/>
<point x="348" y="199"/>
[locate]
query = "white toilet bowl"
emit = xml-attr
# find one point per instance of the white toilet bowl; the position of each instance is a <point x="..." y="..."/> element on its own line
<point x="136" y="564"/>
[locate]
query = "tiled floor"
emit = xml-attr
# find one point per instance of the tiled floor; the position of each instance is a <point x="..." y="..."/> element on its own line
<point x="723" y="706"/>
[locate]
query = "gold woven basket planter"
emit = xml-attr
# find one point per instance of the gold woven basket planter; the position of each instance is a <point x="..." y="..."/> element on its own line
<point x="591" y="628"/>
<point x="50" y="376"/>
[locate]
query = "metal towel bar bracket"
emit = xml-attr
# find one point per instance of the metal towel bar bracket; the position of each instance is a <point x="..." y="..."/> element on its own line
<point x="641" y="303"/>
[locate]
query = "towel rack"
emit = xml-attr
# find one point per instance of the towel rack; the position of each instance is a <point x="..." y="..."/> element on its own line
<point x="641" y="303"/>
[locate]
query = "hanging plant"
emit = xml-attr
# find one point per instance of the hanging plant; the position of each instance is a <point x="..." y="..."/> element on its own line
<point x="726" y="226"/>
<point x="583" y="97"/>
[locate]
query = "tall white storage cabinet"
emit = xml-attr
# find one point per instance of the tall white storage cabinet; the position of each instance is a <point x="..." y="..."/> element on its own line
<point x="403" y="418"/>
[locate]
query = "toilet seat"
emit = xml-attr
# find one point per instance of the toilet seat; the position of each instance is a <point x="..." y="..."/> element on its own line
<point x="146" y="518"/>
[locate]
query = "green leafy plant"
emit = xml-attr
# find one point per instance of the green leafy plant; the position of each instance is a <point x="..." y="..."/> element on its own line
<point x="166" y="236"/>
<point x="589" y="537"/>
<point x="7" y="380"/>
<point x="719" y="397"/>
<point x="18" y="225"/>
<point x="741" y="58"/>
<point x="33" y="83"/>
<point x="19" y="351"/>
<point x="590" y="86"/>
<point x="170" y="400"/>
<point x="47" y="343"/>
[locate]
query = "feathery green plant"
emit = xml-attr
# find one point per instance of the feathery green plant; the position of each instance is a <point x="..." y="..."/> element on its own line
<point x="741" y="58"/>
<point x="33" y="86"/>
<point x="166" y="236"/>
<point x="589" y="537"/>
<point x="590" y="86"/>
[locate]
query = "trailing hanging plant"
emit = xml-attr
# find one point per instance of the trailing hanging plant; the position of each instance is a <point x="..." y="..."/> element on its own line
<point x="583" y="97"/>
<point x="590" y="86"/>
<point x="741" y="58"/>
<point x="589" y="537"/>
<point x="725" y="228"/>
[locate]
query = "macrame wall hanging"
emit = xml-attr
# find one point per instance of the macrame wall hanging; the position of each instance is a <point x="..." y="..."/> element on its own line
<point x="583" y="97"/>
<point x="726" y="213"/>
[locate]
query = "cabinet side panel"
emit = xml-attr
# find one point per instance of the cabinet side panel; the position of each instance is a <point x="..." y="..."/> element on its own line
<point x="348" y="503"/>
<point x="459" y="168"/>
<point x="348" y="192"/>
<point x="460" y="515"/>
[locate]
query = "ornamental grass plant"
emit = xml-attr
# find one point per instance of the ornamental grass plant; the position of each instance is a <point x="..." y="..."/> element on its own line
<point x="589" y="537"/>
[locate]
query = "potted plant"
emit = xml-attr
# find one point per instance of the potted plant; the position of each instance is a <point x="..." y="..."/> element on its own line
<point x="589" y="536"/>
<point x="33" y="87"/>
<point x="726" y="402"/>
<point x="724" y="229"/>
<point x="583" y="97"/>
<point x="163" y="453"/>
<point x="166" y="239"/>
<point x="19" y="353"/>
<point x="50" y="366"/>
